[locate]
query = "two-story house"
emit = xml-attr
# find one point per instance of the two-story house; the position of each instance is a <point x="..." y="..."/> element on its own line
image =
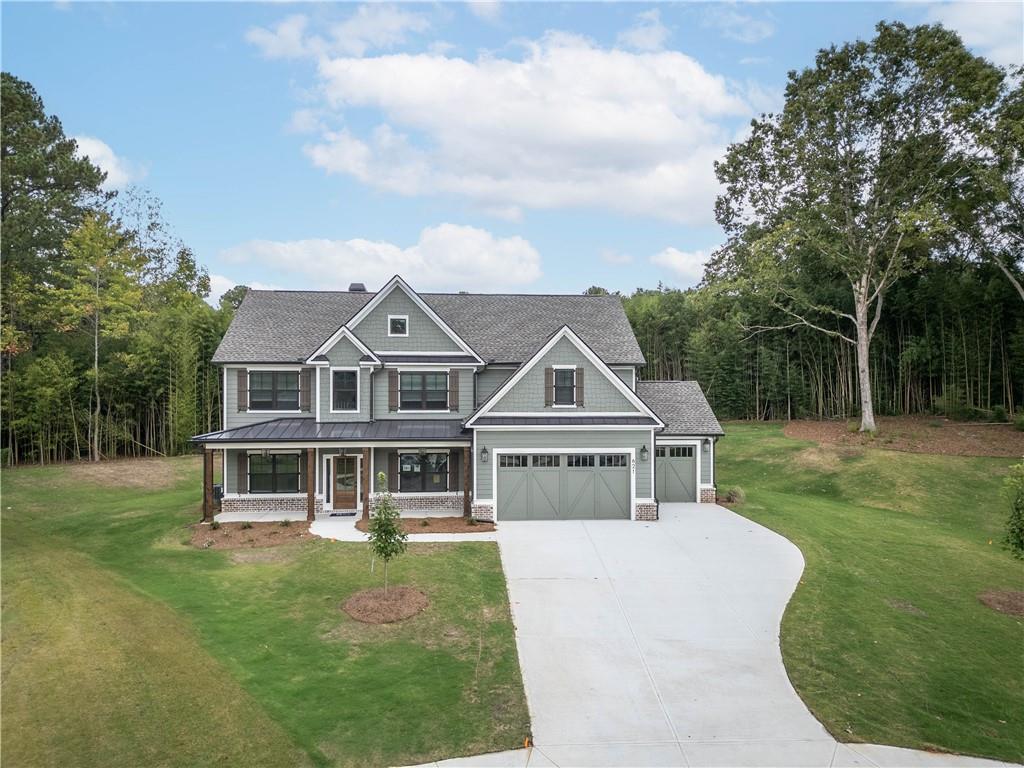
<point x="506" y="407"/>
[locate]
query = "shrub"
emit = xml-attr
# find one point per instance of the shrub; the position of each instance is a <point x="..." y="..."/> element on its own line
<point x="1018" y="423"/>
<point x="1013" y="490"/>
<point x="999" y="414"/>
<point x="424" y="522"/>
<point x="246" y="525"/>
<point x="735" y="496"/>
<point x="387" y="538"/>
<point x="214" y="525"/>
<point x="852" y="426"/>
<point x="285" y="523"/>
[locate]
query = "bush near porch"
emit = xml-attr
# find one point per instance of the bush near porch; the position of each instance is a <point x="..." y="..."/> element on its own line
<point x="885" y="638"/>
<point x="125" y="645"/>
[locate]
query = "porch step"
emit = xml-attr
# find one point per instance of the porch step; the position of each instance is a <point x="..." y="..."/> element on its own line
<point x="342" y="514"/>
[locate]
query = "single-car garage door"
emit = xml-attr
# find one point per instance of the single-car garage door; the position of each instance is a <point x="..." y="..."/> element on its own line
<point x="675" y="470"/>
<point x="561" y="486"/>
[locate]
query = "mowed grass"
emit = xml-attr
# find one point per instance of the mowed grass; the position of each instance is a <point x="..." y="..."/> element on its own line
<point x="123" y="646"/>
<point x="885" y="638"/>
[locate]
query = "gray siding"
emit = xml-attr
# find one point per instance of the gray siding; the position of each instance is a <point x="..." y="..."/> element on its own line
<point x="488" y="380"/>
<point x="626" y="374"/>
<point x="705" y="462"/>
<point x="424" y="334"/>
<point x="241" y="419"/>
<point x="600" y="394"/>
<point x="380" y="397"/>
<point x="575" y="441"/>
<point x="344" y="353"/>
<point x="231" y="472"/>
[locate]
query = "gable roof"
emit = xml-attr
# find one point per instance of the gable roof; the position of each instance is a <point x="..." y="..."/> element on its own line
<point x="681" y="405"/>
<point x="565" y="332"/>
<point x="289" y="326"/>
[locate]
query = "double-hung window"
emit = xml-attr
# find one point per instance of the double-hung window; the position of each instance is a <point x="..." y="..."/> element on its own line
<point x="344" y="390"/>
<point x="273" y="390"/>
<point x="422" y="472"/>
<point x="274" y="473"/>
<point x="565" y="386"/>
<point x="423" y="392"/>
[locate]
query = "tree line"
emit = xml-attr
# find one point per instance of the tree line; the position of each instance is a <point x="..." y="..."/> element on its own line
<point x="105" y="337"/>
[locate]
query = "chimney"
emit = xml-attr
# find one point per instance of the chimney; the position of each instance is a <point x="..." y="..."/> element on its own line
<point x="357" y="288"/>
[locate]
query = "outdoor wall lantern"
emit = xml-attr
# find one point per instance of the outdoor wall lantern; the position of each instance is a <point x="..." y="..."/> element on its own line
<point x="483" y="454"/>
<point x="706" y="446"/>
<point x="643" y="453"/>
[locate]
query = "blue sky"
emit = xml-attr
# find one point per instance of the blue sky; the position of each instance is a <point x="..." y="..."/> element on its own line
<point x="489" y="147"/>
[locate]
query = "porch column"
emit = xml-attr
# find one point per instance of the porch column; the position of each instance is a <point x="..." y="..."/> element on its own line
<point x="207" y="485"/>
<point x="311" y="484"/>
<point x="466" y="482"/>
<point x="367" y="482"/>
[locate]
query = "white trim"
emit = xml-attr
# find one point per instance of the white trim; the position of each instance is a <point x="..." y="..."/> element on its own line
<point x="398" y="282"/>
<point x="563" y="427"/>
<point x="517" y="414"/>
<point x="264" y="495"/>
<point x="415" y="410"/>
<point x="565" y="367"/>
<point x="299" y="444"/>
<point x="422" y="494"/>
<point x="678" y="441"/>
<point x="260" y="410"/>
<point x="608" y="373"/>
<point x="317" y="373"/>
<point x="430" y="365"/>
<point x="554" y="386"/>
<point x="334" y="338"/>
<point x="417" y="352"/>
<point x="275" y="367"/>
<point x="329" y="477"/>
<point x="399" y="317"/>
<point x="496" y="452"/>
<point x="224" y="399"/>
<point x="330" y="373"/>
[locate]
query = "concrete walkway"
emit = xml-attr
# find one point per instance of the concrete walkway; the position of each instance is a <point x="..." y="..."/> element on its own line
<point x="344" y="529"/>
<point x="656" y="644"/>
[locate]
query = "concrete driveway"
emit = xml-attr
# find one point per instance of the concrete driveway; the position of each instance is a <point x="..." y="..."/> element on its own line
<point x="656" y="644"/>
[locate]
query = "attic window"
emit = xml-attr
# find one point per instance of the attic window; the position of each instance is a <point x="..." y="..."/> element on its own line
<point x="565" y="386"/>
<point x="398" y="325"/>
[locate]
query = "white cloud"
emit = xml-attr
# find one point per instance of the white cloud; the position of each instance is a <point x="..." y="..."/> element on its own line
<point x="737" y="25"/>
<point x="611" y="256"/>
<point x="686" y="266"/>
<point x="488" y="10"/>
<point x="446" y="257"/>
<point x="221" y="284"/>
<point x="755" y="60"/>
<point x="374" y="26"/>
<point x="120" y="173"/>
<point x="567" y="124"/>
<point x="305" y="121"/>
<point x="647" y="34"/>
<point x="993" y="29"/>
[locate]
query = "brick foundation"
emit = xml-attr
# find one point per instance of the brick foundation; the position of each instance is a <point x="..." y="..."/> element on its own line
<point x="410" y="504"/>
<point x="256" y="505"/>
<point x="647" y="511"/>
<point x="483" y="513"/>
<point x="708" y="495"/>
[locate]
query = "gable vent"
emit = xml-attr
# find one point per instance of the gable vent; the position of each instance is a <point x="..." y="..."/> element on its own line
<point x="357" y="288"/>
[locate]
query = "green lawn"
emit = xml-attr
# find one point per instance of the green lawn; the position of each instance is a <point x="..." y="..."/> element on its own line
<point x="123" y="647"/>
<point x="885" y="639"/>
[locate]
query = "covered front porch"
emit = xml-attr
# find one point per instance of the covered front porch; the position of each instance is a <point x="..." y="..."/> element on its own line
<point x="267" y="478"/>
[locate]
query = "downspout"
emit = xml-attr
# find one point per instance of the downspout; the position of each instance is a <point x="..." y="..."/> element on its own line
<point x="371" y="395"/>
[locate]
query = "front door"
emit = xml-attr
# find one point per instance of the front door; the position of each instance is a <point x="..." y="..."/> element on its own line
<point x="345" y="474"/>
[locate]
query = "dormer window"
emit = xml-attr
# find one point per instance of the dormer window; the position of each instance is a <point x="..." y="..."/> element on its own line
<point x="398" y="325"/>
<point x="565" y="386"/>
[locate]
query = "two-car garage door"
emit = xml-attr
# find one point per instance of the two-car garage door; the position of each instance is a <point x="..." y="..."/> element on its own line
<point x="563" y="486"/>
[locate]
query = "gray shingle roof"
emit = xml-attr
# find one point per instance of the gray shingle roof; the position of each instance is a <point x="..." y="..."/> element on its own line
<point x="526" y="421"/>
<point x="306" y="429"/>
<point x="287" y="326"/>
<point x="681" y="405"/>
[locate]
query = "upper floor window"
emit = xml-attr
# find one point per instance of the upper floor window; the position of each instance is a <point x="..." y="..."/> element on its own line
<point x="273" y="390"/>
<point x="565" y="386"/>
<point x="398" y="325"/>
<point x="344" y="390"/>
<point x="423" y="392"/>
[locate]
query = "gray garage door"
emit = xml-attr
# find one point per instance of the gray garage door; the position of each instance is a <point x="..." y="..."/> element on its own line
<point x="559" y="486"/>
<point x="675" y="468"/>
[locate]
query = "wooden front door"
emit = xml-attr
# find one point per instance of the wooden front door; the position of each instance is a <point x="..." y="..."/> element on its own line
<point x="345" y="478"/>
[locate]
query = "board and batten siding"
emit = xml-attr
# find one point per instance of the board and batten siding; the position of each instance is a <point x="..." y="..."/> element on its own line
<point x="599" y="394"/>
<point x="424" y="334"/>
<point x="571" y="441"/>
<point x="380" y="396"/>
<point x="236" y="418"/>
<point x="345" y="354"/>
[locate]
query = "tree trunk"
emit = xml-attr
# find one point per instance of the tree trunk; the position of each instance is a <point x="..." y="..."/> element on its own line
<point x="867" y="407"/>
<point x="385" y="578"/>
<point x="96" y="374"/>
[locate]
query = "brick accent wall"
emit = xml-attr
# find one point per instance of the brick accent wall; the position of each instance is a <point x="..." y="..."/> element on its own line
<point x="411" y="503"/>
<point x="255" y="505"/>
<point x="647" y="511"/>
<point x="483" y="513"/>
<point x="708" y="495"/>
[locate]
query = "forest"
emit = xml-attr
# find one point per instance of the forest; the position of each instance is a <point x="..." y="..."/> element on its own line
<point x="872" y="264"/>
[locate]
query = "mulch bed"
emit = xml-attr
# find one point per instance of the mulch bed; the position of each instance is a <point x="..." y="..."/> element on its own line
<point x="917" y="434"/>
<point x="234" y="536"/>
<point x="437" y="525"/>
<point x="1004" y="601"/>
<point x="371" y="606"/>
